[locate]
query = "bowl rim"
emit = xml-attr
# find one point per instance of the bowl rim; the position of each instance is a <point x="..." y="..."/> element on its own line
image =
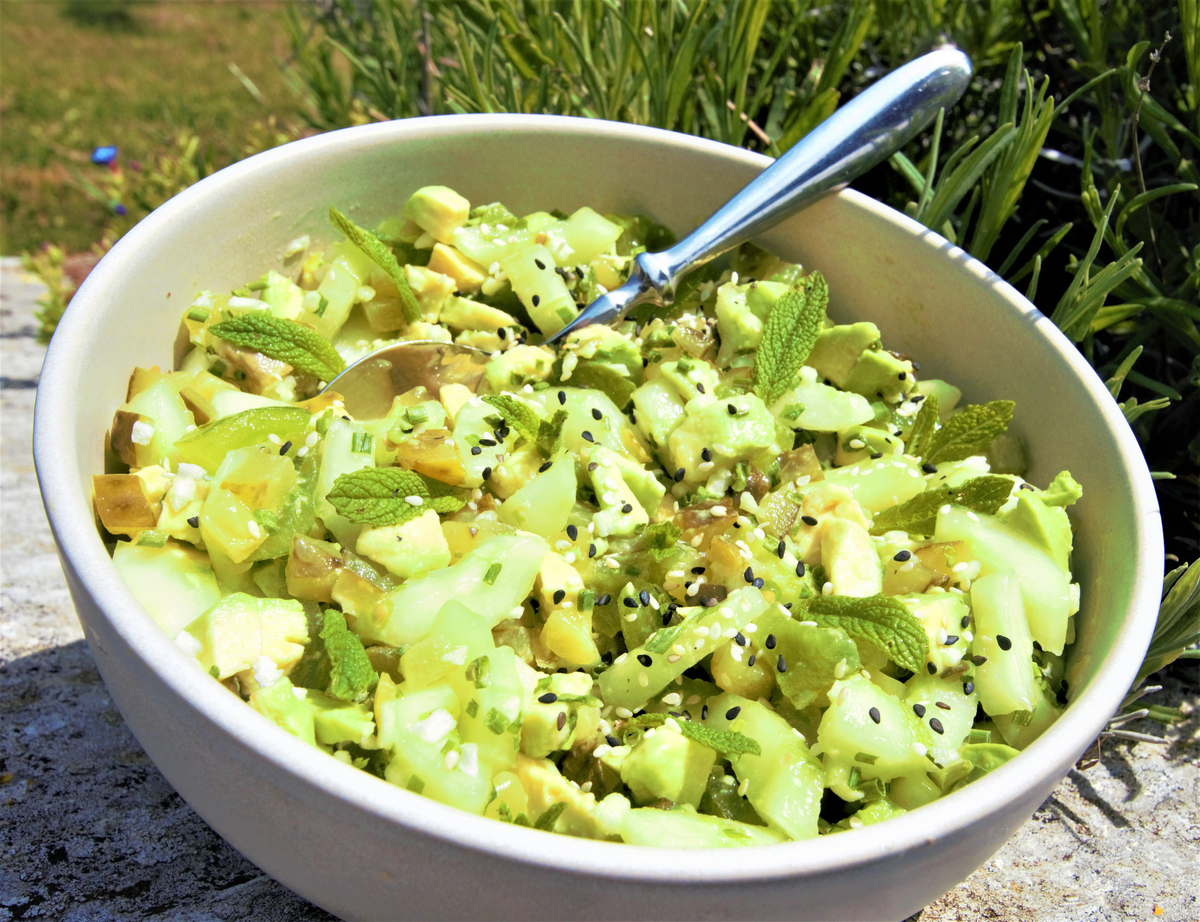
<point x="69" y="510"/>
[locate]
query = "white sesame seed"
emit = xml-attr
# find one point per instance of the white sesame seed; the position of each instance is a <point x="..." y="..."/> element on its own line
<point x="623" y="712"/>
<point x="671" y="699"/>
<point x="643" y="679"/>
<point x="631" y="617"/>
<point x="414" y="500"/>
<point x="674" y="658"/>
<point x="919" y="749"/>
<point x="743" y="787"/>
<point x="255" y="531"/>
<point x="827" y="589"/>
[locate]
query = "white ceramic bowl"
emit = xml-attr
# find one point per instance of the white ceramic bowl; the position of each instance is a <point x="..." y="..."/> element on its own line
<point x="364" y="849"/>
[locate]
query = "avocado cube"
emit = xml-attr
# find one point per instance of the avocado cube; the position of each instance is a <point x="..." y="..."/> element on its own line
<point x="838" y="348"/>
<point x="410" y="549"/>
<point x="666" y="764"/>
<point x="550" y="727"/>
<point x="438" y="211"/>
<point x="879" y="373"/>
<point x="468" y="275"/>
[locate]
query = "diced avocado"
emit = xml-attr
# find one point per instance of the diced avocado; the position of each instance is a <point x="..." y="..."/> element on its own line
<point x="174" y="583"/>
<point x="550" y="727"/>
<point x="1047" y="526"/>
<point x="432" y="289"/>
<point x="686" y="374"/>
<point x="465" y="314"/>
<point x="947" y="394"/>
<point x="491" y="581"/>
<point x="740" y="328"/>
<point x="239" y="629"/>
<point x="850" y="559"/>
<point x="666" y="764"/>
<point x="880" y="374"/>
<point x="730" y="429"/>
<point x="279" y="702"/>
<point x="519" y="365"/>
<point x="543" y="505"/>
<point x="604" y="344"/>
<point x="821" y="408"/>
<point x="838" y="348"/>
<point x="438" y="211"/>
<point x="468" y="275"/>
<point x="1005" y="682"/>
<point x="658" y="409"/>
<point x="336" y="721"/>
<point x="733" y="672"/>
<point x="620" y="511"/>
<point x="410" y="549"/>
<point x="546" y="787"/>
<point x="942" y="615"/>
<point x="683" y="827"/>
<point x="1063" y="491"/>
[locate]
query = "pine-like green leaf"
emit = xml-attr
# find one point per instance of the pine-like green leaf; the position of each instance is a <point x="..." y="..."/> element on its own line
<point x="601" y="377"/>
<point x="383" y="257"/>
<point x="879" y="620"/>
<point x="970" y="432"/>
<point x="789" y="336"/>
<point x="386" y="496"/>
<point x="307" y="351"/>
<point x="918" y="516"/>
<point x="351" y="675"/>
<point x="550" y="816"/>
<point x="923" y="428"/>
<point x="550" y="433"/>
<point x="517" y="415"/>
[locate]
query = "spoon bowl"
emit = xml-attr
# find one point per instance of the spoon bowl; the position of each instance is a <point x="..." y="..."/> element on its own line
<point x="368" y="386"/>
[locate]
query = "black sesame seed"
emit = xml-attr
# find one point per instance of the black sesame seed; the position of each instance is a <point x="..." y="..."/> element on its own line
<point x="732" y="409"/>
<point x="700" y="388"/>
<point x="502" y="333"/>
<point x="591" y="550"/>
<point x="706" y="455"/>
<point x="876" y="455"/>
<point x="781" y="549"/>
<point x="487" y="472"/>
<point x="874" y="714"/>
<point x="588" y="436"/>
<point x="919" y="710"/>
<point x="679" y="475"/>
<point x="978" y="660"/>
<point x="536" y="300"/>
<point x="698" y="570"/>
<point x="644" y="659"/>
<point x="194" y="521"/>
<point x="596" y="414"/>
<point x="789" y="605"/>
<point x="781" y="663"/>
<point x="535" y="604"/>
<point x="808" y="520"/>
<point x="548" y="698"/>
<point x="667" y="613"/>
<point x="285" y="448"/>
<point x="559" y="595"/>
<point x="539" y="264"/>
<point x="627" y="508"/>
<point x="490" y="443"/>
<point x="929" y="468"/>
<point x="545" y="467"/>
<point x="902" y="556"/>
<point x="968" y="688"/>
<point x="629" y="603"/>
<point x="644" y="596"/>
<point x="476" y="450"/>
<point x="732" y="713"/>
<point x="572" y="532"/>
<point x="931" y="668"/>
<point x="770" y="644"/>
<point x="758" y="583"/>
<point x="951" y="640"/>
<point x="740" y="639"/>
<point x="612" y="741"/>
<point x="943" y="705"/>
<point x="562" y="397"/>
<point x="966" y="622"/>
<point x="592" y="465"/>
<point x="1003" y="642"/>
<point x="750" y="662"/>
<point x="917" y="399"/>
<point x="562" y="717"/>
<point x="704" y="712"/>
<point x="748" y="576"/>
<point x="606" y="657"/>
<point x="604" y="599"/>
<point x="936" y="726"/>
<point x="800" y="568"/>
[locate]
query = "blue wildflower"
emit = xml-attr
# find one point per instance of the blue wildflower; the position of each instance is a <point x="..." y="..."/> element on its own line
<point x="119" y="209"/>
<point x="102" y="156"/>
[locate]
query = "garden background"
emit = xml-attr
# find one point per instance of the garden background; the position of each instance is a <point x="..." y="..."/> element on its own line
<point x="1071" y="166"/>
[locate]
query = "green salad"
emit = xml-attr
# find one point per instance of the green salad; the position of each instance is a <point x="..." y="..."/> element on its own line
<point x="725" y="574"/>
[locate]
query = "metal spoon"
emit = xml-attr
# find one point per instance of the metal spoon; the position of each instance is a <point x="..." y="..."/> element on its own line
<point x="858" y="136"/>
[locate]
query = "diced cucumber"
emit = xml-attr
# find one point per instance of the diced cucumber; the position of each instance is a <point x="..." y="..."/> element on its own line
<point x="590" y="234"/>
<point x="339" y="457"/>
<point x="816" y="656"/>
<point x="487" y="244"/>
<point x="490" y="693"/>
<point x="670" y="651"/>
<point x="658" y="410"/>
<point x="612" y="429"/>
<point x="542" y="290"/>
<point x="683" y="827"/>
<point x="421" y="767"/>
<point x="543" y="505"/>
<point x="784" y="783"/>
<point x="942" y="615"/>
<point x="944" y="701"/>
<point x="821" y="408"/>
<point x="456" y="636"/>
<point x="346" y="274"/>
<point x="1005" y="682"/>
<point x="174" y="583"/>
<point x="228" y="403"/>
<point x="491" y="581"/>
<point x="1044" y="586"/>
<point x="880" y="484"/>
<point x="208" y="445"/>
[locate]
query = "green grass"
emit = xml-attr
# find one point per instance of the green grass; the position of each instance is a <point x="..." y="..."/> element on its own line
<point x="92" y="72"/>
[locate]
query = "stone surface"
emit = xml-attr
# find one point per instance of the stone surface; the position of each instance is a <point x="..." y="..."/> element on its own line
<point x="89" y="830"/>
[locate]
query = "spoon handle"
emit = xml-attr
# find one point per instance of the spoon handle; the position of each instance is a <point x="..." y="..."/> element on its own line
<point x="859" y="135"/>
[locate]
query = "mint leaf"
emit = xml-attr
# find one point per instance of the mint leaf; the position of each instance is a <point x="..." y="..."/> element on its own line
<point x="970" y="432"/>
<point x="550" y="433"/>
<point x="729" y="743"/>
<point x="307" y="351"/>
<point x="601" y="377"/>
<point x="659" y="540"/>
<point x="923" y="428"/>
<point x="547" y="820"/>
<point x="379" y="496"/>
<point x="351" y="676"/>
<point x="789" y="336"/>
<point x="383" y="257"/>
<point x="918" y="516"/>
<point x="517" y="415"/>
<point x="879" y="620"/>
